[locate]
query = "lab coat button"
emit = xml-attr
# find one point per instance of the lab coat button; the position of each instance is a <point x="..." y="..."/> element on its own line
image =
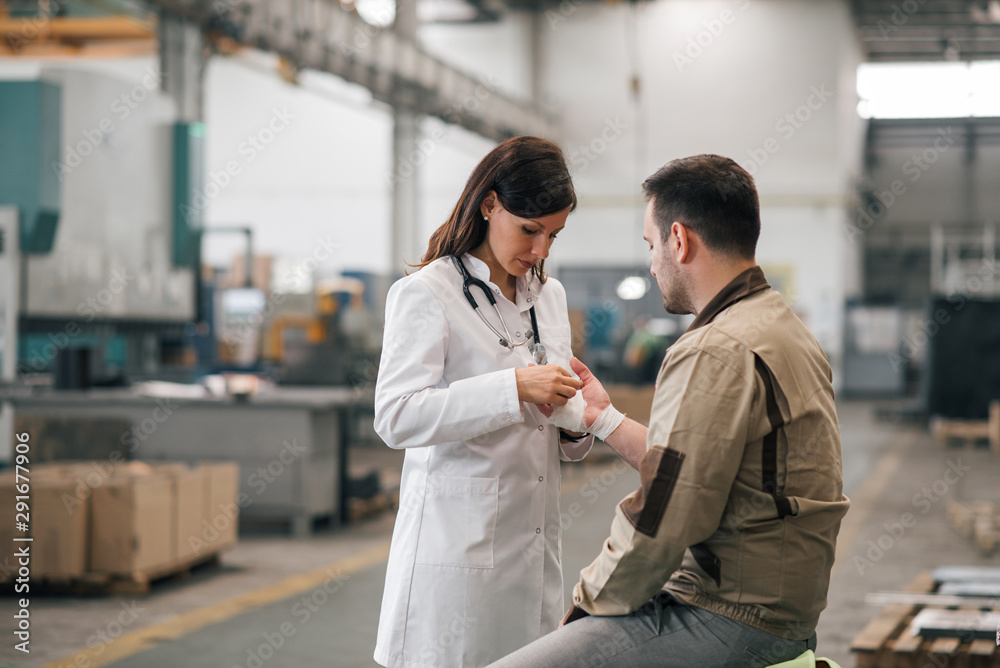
<point x="529" y="299"/>
<point x="517" y="334"/>
<point x="540" y="427"/>
<point x="538" y="531"/>
<point x="541" y="478"/>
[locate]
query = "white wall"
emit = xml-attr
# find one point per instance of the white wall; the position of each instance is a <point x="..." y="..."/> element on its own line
<point x="318" y="183"/>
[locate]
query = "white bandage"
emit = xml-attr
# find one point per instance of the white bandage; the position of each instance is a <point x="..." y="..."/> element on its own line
<point x="570" y="417"/>
<point x="606" y="423"/>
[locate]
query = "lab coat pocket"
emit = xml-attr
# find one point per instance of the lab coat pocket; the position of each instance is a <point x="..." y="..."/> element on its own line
<point x="458" y="521"/>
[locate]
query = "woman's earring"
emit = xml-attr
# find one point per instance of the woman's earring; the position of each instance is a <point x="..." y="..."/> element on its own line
<point x="486" y="218"/>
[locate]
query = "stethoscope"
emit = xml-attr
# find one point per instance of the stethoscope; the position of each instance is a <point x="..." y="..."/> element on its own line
<point x="536" y="348"/>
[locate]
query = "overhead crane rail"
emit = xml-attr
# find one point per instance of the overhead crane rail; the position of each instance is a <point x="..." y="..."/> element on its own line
<point x="322" y="35"/>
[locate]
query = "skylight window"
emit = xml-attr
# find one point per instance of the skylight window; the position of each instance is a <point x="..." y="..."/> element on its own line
<point x="929" y="90"/>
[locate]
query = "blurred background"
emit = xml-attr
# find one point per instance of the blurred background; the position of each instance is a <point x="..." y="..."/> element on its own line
<point x="203" y="205"/>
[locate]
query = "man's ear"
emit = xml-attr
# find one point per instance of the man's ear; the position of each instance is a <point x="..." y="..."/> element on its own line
<point x="682" y="237"/>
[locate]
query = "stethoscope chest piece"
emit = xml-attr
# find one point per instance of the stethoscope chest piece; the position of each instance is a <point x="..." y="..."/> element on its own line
<point x="537" y="351"/>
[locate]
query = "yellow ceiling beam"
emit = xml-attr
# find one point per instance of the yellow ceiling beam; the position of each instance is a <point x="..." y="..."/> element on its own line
<point x="78" y="28"/>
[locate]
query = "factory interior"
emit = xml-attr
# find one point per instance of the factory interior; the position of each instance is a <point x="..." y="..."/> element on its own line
<point x="204" y="205"/>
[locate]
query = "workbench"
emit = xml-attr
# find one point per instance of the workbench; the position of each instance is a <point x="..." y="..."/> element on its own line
<point x="291" y="442"/>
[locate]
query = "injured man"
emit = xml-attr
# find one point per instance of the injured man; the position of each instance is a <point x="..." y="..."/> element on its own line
<point x="722" y="557"/>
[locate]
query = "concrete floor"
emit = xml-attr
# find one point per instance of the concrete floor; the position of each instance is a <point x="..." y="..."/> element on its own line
<point x="279" y="602"/>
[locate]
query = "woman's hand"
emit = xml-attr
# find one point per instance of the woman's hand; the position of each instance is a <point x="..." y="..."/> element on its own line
<point x="548" y="384"/>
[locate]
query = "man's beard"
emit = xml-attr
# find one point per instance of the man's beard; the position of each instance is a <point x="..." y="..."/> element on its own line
<point x="677" y="298"/>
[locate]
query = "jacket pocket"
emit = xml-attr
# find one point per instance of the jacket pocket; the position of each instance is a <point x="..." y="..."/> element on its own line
<point x="458" y="522"/>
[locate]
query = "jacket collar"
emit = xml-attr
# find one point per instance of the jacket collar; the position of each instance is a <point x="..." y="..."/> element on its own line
<point x="750" y="281"/>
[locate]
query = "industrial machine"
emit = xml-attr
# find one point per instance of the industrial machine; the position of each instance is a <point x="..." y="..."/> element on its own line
<point x="110" y="275"/>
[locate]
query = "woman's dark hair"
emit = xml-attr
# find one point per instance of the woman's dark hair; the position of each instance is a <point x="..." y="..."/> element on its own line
<point x="531" y="180"/>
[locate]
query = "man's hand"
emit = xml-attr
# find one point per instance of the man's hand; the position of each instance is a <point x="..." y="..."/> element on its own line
<point x="548" y="384"/>
<point x="593" y="392"/>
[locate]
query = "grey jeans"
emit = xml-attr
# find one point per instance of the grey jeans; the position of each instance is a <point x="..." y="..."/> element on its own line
<point x="664" y="633"/>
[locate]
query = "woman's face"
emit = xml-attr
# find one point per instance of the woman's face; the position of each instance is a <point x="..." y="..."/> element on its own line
<point x="519" y="243"/>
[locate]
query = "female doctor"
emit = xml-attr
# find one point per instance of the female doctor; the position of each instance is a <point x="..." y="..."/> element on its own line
<point x="475" y="569"/>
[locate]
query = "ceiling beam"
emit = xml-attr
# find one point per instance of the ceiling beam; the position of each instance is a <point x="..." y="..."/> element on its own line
<point x="322" y="35"/>
<point x="926" y="30"/>
<point x="79" y="28"/>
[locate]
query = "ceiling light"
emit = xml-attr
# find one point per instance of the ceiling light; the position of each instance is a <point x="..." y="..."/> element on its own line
<point x="633" y="287"/>
<point x="379" y="13"/>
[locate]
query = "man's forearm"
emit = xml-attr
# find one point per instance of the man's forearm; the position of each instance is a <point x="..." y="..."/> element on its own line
<point x="629" y="441"/>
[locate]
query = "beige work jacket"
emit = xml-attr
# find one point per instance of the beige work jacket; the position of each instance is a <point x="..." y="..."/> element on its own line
<point x="742" y="493"/>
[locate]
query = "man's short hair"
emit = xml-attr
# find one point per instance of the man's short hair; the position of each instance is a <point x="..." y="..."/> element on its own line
<point x="711" y="195"/>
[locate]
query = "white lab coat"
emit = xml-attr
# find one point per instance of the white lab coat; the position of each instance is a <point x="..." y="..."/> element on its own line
<point x="475" y="567"/>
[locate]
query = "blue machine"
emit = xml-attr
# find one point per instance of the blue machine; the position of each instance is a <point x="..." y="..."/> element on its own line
<point x="30" y="140"/>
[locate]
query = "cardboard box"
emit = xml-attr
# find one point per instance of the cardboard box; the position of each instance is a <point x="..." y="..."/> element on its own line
<point x="187" y="507"/>
<point x="138" y="468"/>
<point x="86" y="475"/>
<point x="59" y="526"/>
<point x="220" y="516"/>
<point x="190" y="492"/>
<point x="54" y="470"/>
<point x="132" y="530"/>
<point x="8" y="492"/>
<point x="122" y="518"/>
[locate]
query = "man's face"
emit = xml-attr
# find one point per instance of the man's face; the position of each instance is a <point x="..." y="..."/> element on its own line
<point x="670" y="279"/>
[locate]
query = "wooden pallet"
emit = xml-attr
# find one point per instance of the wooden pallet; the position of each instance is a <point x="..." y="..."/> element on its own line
<point x="962" y="432"/>
<point x="978" y="521"/>
<point x="887" y="643"/>
<point x="109" y="584"/>
<point x="969" y="432"/>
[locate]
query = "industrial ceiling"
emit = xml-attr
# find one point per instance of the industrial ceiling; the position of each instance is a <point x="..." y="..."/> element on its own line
<point x="888" y="30"/>
<point x="928" y="30"/>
